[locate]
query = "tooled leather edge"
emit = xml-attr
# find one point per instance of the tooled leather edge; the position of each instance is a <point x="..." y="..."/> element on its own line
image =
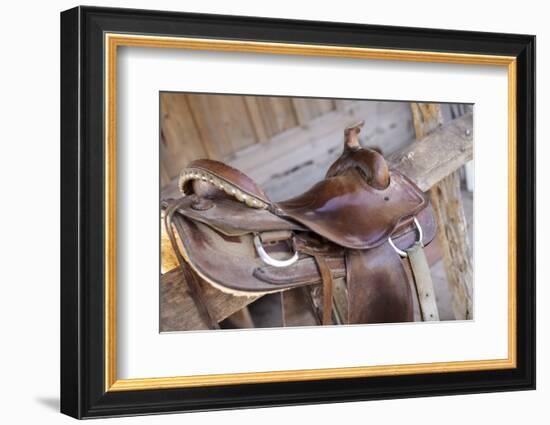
<point x="230" y="175"/>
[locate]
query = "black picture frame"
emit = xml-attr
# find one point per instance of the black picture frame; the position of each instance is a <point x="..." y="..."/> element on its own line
<point x="83" y="392"/>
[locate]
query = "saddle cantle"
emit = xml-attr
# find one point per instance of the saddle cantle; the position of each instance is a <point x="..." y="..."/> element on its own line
<point x="353" y="225"/>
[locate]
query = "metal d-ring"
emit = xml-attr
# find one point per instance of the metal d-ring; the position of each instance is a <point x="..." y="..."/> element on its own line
<point x="402" y="253"/>
<point x="270" y="260"/>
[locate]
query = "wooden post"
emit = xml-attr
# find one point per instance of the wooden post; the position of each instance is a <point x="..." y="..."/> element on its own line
<point x="454" y="243"/>
<point x="447" y="203"/>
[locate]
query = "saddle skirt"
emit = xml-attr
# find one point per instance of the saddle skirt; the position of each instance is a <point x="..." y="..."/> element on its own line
<point x="348" y="226"/>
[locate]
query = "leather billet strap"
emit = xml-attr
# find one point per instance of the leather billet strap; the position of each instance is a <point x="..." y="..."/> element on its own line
<point x="420" y="271"/>
<point x="193" y="284"/>
<point x="324" y="254"/>
<point x="423" y="283"/>
<point x="326" y="277"/>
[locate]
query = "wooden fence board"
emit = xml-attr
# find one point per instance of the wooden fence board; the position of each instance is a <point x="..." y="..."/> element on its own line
<point x="223" y="123"/>
<point x="178" y="311"/>
<point x="178" y="130"/>
<point x="443" y="151"/>
<point x="256" y="119"/>
<point x="277" y="113"/>
<point x="308" y="109"/>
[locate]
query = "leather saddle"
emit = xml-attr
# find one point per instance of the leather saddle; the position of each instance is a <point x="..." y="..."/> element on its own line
<point x="356" y="225"/>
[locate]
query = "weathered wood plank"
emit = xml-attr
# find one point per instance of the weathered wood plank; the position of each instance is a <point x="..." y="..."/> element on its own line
<point x="278" y="114"/>
<point x="180" y="138"/>
<point x="197" y="104"/>
<point x="165" y="178"/>
<point x="234" y="123"/>
<point x="256" y="119"/>
<point x="427" y="117"/>
<point x="223" y="124"/>
<point x="455" y="245"/>
<point x="306" y="109"/>
<point x="241" y="319"/>
<point x="178" y="311"/>
<point x="447" y="202"/>
<point x="438" y="154"/>
<point x="340" y="301"/>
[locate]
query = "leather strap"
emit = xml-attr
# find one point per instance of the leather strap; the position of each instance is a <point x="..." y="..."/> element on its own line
<point x="378" y="287"/>
<point x="423" y="283"/>
<point x="195" y="289"/>
<point x="326" y="277"/>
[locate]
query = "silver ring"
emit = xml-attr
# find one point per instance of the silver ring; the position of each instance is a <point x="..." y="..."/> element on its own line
<point x="270" y="260"/>
<point x="402" y="253"/>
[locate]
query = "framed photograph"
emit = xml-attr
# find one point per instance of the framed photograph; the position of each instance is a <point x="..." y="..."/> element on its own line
<point x="261" y="212"/>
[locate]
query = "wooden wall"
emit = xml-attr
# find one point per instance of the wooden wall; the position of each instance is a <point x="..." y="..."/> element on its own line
<point x="285" y="144"/>
<point x="219" y="126"/>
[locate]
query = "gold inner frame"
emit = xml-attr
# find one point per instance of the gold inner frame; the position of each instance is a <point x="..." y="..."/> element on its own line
<point x="113" y="41"/>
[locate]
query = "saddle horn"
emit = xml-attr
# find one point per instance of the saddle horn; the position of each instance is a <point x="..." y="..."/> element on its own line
<point x="369" y="163"/>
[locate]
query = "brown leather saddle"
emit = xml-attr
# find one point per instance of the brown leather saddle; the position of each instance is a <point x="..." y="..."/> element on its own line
<point x="357" y="225"/>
